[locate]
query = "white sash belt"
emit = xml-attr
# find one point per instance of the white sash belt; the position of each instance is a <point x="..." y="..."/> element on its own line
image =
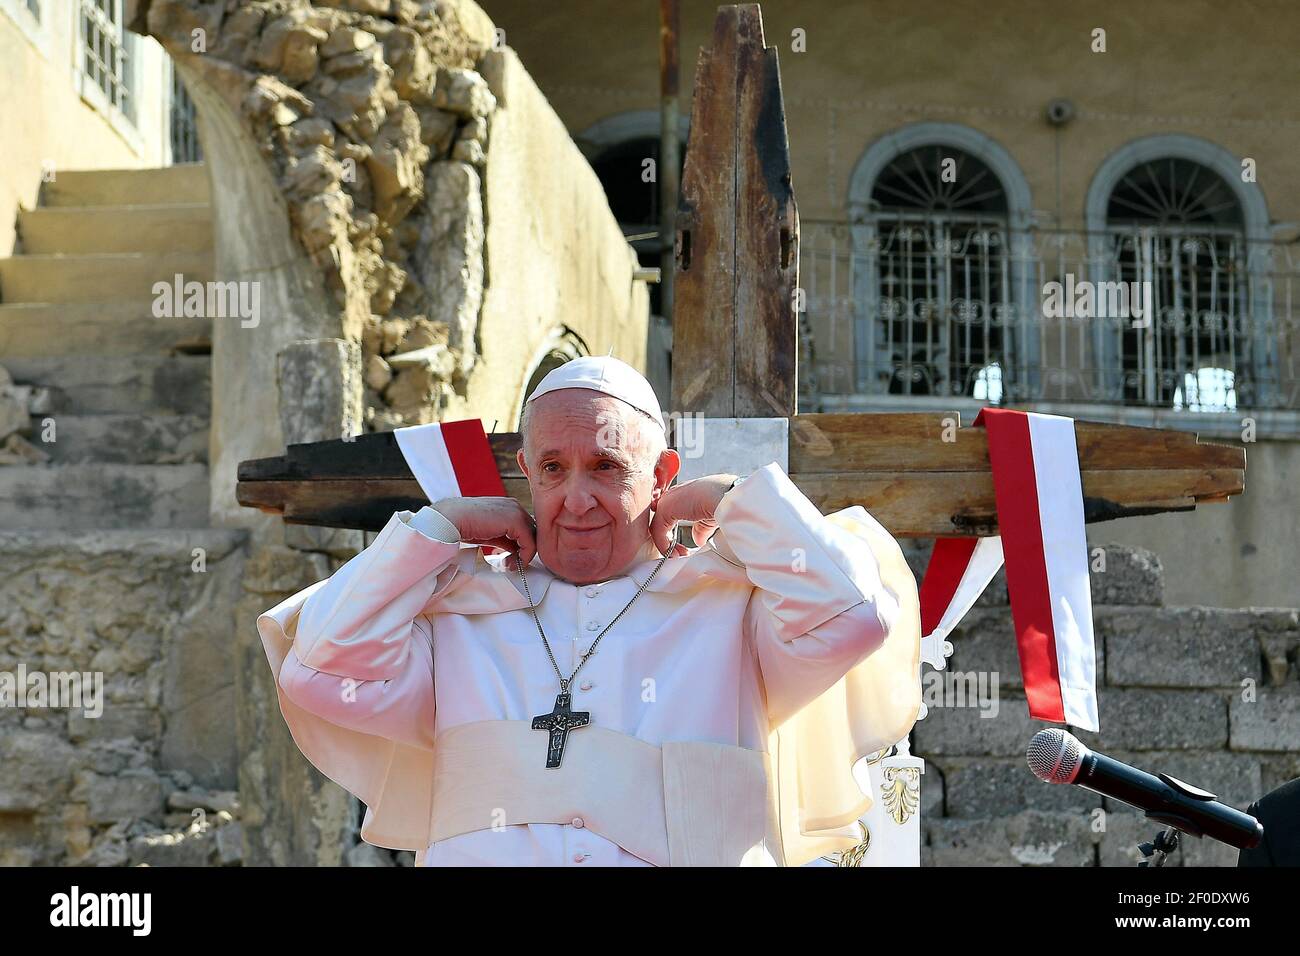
<point x="683" y="804"/>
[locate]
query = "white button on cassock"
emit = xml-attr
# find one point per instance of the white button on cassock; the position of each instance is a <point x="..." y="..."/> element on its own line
<point x="586" y="685"/>
<point x="592" y="625"/>
<point x="592" y="592"/>
<point x="579" y="857"/>
<point x="579" y="822"/>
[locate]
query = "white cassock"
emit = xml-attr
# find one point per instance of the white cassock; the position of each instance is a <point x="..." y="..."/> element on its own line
<point x="727" y="706"/>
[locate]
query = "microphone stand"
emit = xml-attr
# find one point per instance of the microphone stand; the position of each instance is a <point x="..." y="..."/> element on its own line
<point x="1156" y="852"/>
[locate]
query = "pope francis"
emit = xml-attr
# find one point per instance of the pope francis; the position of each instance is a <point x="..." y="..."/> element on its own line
<point x="572" y="688"/>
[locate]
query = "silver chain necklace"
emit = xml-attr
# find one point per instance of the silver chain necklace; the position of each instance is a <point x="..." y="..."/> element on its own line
<point x="562" y="719"/>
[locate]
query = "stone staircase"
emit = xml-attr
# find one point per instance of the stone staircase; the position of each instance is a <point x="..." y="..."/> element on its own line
<point x="107" y="560"/>
<point x="128" y="392"/>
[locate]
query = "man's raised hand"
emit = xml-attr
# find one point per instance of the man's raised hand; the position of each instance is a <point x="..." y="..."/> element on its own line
<point x="496" y="522"/>
<point x="692" y="501"/>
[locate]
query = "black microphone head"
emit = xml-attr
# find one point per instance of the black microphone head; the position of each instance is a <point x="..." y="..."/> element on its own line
<point x="1055" y="756"/>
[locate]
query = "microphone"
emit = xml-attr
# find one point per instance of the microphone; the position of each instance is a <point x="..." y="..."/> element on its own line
<point x="1058" y="757"/>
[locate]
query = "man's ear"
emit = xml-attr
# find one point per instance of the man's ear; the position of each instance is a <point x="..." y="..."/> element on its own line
<point x="523" y="465"/>
<point x="666" y="469"/>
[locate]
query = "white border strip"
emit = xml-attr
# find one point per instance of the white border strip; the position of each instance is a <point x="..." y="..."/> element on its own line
<point x="425" y="451"/>
<point x="1065" y="552"/>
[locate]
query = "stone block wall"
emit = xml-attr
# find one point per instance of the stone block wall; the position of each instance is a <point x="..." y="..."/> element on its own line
<point x="147" y="752"/>
<point x="1208" y="695"/>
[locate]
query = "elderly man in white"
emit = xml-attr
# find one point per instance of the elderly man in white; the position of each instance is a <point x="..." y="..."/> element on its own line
<point x="572" y="688"/>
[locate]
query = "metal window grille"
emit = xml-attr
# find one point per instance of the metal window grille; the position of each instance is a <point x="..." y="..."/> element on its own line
<point x="184" y="129"/>
<point x="104" y="53"/>
<point x="1196" y="351"/>
<point x="1176" y="226"/>
<point x="943" y="291"/>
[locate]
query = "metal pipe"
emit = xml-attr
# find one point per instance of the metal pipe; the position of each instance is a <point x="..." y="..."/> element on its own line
<point x="669" y="171"/>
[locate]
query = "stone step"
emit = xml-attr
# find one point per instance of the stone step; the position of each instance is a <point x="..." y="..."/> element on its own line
<point x="183" y="183"/>
<point x="179" y="227"/>
<point x="121" y="327"/>
<point x="142" y="385"/>
<point x="123" y="439"/>
<point x="103" y="496"/>
<point x="161" y="550"/>
<point x="96" y="277"/>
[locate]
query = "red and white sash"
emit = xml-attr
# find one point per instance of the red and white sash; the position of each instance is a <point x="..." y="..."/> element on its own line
<point x="451" y="459"/>
<point x="1039" y="499"/>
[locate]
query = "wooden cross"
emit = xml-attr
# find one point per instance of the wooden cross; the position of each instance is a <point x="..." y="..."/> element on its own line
<point x="559" y="722"/>
<point x="735" y="356"/>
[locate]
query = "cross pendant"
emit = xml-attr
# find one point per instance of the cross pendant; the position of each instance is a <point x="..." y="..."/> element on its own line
<point x="559" y="722"/>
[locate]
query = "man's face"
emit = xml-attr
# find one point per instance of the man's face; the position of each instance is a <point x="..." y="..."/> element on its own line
<point x="595" y="472"/>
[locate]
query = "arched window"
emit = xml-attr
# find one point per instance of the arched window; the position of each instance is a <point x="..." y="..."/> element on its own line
<point x="1174" y="214"/>
<point x="1176" y="229"/>
<point x="937" y="211"/>
<point x="941" y="226"/>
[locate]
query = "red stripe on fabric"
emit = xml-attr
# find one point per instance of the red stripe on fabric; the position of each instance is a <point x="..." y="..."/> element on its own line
<point x="472" y="459"/>
<point x="948" y="562"/>
<point x="1015" y="489"/>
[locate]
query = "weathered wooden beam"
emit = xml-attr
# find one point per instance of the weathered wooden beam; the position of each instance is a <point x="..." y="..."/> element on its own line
<point x="923" y="504"/>
<point x="735" y="330"/>
<point x="363" y="504"/>
<point x="901" y="467"/>
<point x="375" y="455"/>
<point x="929" y="441"/>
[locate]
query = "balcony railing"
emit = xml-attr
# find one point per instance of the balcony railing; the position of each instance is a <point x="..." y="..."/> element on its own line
<point x="1194" y="319"/>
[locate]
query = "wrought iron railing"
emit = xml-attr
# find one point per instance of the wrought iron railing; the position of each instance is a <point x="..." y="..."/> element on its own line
<point x="1200" y="319"/>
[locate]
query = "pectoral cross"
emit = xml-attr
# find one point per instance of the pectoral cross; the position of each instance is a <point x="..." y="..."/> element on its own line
<point x="559" y="722"/>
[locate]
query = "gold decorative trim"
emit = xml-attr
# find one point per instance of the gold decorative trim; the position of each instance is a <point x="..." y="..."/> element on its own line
<point x="854" y="855"/>
<point x="901" y="792"/>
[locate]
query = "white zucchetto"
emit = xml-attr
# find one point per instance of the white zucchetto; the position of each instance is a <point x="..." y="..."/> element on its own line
<point x="608" y="376"/>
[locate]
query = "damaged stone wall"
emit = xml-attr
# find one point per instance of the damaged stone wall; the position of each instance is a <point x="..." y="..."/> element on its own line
<point x="375" y="126"/>
<point x="116" y="779"/>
